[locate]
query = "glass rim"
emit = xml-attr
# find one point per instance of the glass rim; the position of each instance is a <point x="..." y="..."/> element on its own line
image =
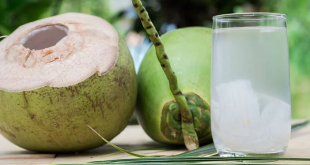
<point x="252" y="15"/>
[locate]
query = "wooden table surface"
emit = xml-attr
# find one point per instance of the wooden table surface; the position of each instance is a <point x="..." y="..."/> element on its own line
<point x="133" y="137"/>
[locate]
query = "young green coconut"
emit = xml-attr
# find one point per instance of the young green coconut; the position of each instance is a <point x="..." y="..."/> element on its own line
<point x="60" y="74"/>
<point x="175" y="117"/>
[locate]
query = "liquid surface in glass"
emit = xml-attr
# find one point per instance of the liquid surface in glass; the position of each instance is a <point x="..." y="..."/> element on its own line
<point x="250" y="91"/>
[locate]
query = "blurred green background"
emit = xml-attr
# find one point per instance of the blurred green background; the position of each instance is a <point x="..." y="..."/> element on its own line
<point x="170" y="14"/>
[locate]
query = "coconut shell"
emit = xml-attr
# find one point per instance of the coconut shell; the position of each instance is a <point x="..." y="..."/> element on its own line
<point x="87" y="78"/>
<point x="189" y="52"/>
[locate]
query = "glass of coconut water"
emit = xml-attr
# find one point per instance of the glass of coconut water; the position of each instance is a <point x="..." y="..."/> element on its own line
<point x="250" y="85"/>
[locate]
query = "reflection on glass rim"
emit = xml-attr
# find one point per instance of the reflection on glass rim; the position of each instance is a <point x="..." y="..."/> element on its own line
<point x="254" y="15"/>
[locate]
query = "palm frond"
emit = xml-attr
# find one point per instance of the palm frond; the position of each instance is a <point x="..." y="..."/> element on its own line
<point x="203" y="150"/>
<point x="194" y="160"/>
<point x="298" y="126"/>
<point x="143" y="149"/>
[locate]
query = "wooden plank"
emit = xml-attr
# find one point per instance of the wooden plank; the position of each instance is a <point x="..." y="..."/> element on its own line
<point x="12" y="154"/>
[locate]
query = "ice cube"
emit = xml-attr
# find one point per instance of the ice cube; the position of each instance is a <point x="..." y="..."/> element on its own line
<point x="275" y="120"/>
<point x="239" y="114"/>
<point x="239" y="124"/>
<point x="238" y="136"/>
<point x="238" y="100"/>
<point x="275" y="111"/>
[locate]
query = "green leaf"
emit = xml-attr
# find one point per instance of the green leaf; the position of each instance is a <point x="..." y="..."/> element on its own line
<point x="143" y="149"/>
<point x="204" y="150"/>
<point x="116" y="147"/>
<point x="298" y="126"/>
<point x="194" y="160"/>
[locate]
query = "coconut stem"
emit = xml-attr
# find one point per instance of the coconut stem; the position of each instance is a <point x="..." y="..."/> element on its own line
<point x="188" y="130"/>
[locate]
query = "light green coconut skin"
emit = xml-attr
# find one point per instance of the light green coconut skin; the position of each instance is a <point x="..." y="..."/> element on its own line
<point x="189" y="52"/>
<point x="55" y="119"/>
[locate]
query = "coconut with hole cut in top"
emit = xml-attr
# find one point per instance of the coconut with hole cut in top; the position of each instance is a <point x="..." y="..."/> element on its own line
<point x="60" y="74"/>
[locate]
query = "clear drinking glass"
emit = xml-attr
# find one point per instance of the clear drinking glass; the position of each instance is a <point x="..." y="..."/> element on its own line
<point x="250" y="85"/>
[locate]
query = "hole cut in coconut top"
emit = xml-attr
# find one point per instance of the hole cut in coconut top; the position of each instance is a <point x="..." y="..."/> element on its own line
<point x="59" y="51"/>
<point x="44" y="37"/>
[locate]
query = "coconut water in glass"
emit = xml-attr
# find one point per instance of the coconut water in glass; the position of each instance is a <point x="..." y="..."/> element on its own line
<point x="250" y="85"/>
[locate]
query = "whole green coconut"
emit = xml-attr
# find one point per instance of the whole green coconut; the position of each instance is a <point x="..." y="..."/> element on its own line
<point x="189" y="52"/>
<point x="60" y="74"/>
